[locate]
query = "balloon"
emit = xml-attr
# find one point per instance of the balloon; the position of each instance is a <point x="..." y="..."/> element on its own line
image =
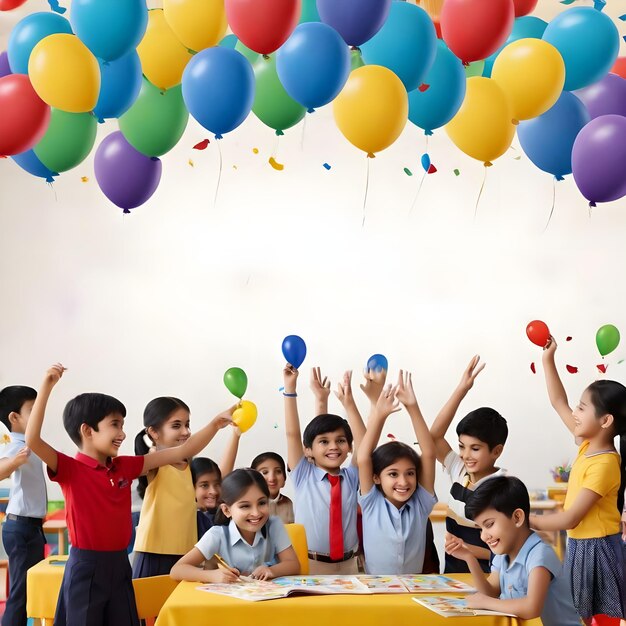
<point x="294" y="350"/>
<point x="245" y="416"/>
<point x="120" y="85"/>
<point x="599" y="158"/>
<point x="538" y="332"/>
<point x="620" y="67"/>
<point x="357" y="21"/>
<point x="5" y="68"/>
<point x="262" y="25"/>
<point x="425" y="160"/>
<point x="548" y="139"/>
<point x="377" y="363"/>
<point x="474" y="69"/>
<point x="8" y="5"/>
<point x="313" y="65"/>
<point x="25" y="116"/>
<point x="588" y="42"/>
<point x="524" y="7"/>
<point x="156" y="121"/>
<point x="372" y="109"/>
<point x="236" y="381"/>
<point x="68" y="140"/>
<point x="230" y="41"/>
<point x="272" y="104"/>
<point x="607" y="339"/>
<point x="309" y="12"/>
<point x="27" y="33"/>
<point x="64" y="73"/>
<point x="474" y="29"/>
<point x="482" y="127"/>
<point x="30" y="163"/>
<point x="109" y="29"/>
<point x="531" y="73"/>
<point x="406" y="44"/>
<point x="198" y="24"/>
<point x="218" y="89"/>
<point x="606" y="97"/>
<point x="126" y="177"/>
<point x="437" y="105"/>
<point x="163" y="57"/>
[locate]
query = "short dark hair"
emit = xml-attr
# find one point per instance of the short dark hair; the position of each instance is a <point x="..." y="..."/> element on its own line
<point x="389" y="453"/>
<point x="90" y="409"/>
<point x="502" y="493"/>
<point x="234" y="486"/>
<point x="202" y="465"/>
<point x="268" y="456"/>
<point x="325" y="423"/>
<point x="12" y="399"/>
<point x="485" y="424"/>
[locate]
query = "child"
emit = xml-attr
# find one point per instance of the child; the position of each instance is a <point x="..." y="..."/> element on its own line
<point x="595" y="553"/>
<point x="244" y="536"/>
<point x="395" y="512"/>
<point x="272" y="467"/>
<point x="22" y="534"/>
<point x="97" y="587"/>
<point x="482" y="434"/>
<point x="526" y="579"/>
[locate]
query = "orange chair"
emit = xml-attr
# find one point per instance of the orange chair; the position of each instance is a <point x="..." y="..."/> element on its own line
<point x="151" y="594"/>
<point x="297" y="535"/>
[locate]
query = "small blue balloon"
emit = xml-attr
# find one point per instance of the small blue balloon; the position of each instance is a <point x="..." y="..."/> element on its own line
<point x="377" y="363"/>
<point x="406" y="44"/>
<point x="218" y="89"/>
<point x="230" y="41"/>
<point x="294" y="350"/>
<point x="313" y="64"/>
<point x="27" y="33"/>
<point x="30" y="163"/>
<point x="119" y="87"/>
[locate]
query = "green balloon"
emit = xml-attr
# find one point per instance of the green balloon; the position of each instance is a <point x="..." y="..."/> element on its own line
<point x="309" y="12"/>
<point x="68" y="140"/>
<point x="607" y="339"/>
<point x="156" y="121"/>
<point x="251" y="55"/>
<point x="474" y="69"/>
<point x="236" y="381"/>
<point x="356" y="60"/>
<point x="272" y="104"/>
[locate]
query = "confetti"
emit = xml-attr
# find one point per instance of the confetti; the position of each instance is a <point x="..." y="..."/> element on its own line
<point x="599" y="5"/>
<point x="423" y="87"/>
<point x="620" y="361"/>
<point x="602" y="368"/>
<point x="326" y="166"/>
<point x="456" y="172"/>
<point x="568" y="338"/>
<point x="84" y="179"/>
<point x="571" y="369"/>
<point x="234" y="167"/>
<point x="431" y="169"/>
<point x="202" y="145"/>
<point x="281" y="389"/>
<point x="275" y="425"/>
<point x="54" y="5"/>
<point x="532" y="368"/>
<point x="568" y="1"/>
<point x="622" y="17"/>
<point x="255" y="150"/>
<point x="390" y="436"/>
<point x="517" y="158"/>
<point x="425" y="161"/>
<point x="190" y="162"/>
<point x="275" y="164"/>
<point x="408" y="172"/>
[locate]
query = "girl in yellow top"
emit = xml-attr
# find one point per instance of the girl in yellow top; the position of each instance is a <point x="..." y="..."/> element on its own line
<point x="595" y="559"/>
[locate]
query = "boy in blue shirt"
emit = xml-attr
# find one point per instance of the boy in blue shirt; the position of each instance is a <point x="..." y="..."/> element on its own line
<point x="526" y="578"/>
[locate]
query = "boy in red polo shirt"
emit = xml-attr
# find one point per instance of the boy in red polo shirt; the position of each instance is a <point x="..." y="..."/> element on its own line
<point x="97" y="588"/>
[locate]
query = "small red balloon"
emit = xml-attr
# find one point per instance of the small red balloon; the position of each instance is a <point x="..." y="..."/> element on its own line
<point x="8" y="5"/>
<point x="524" y="7"/>
<point x="620" y="67"/>
<point x="538" y="333"/>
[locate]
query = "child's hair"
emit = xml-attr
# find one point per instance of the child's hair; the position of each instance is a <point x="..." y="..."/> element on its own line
<point x="268" y="456"/>
<point x="202" y="465"/>
<point x="90" y="409"/>
<point x="502" y="493"/>
<point x="485" y="424"/>
<point x="234" y="486"/>
<point x="12" y="400"/>
<point x="609" y="396"/>
<point x="325" y="423"/>
<point x="389" y="453"/>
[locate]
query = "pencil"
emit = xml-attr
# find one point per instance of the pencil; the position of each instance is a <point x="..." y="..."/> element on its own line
<point x="223" y="563"/>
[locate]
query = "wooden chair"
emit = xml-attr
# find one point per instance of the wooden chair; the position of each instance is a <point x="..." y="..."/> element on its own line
<point x="297" y="535"/>
<point x="151" y="594"/>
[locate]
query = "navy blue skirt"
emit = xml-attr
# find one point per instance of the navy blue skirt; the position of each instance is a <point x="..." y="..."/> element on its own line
<point x="147" y="564"/>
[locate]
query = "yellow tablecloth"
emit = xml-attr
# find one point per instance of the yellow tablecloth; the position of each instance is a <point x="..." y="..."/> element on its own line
<point x="43" y="582"/>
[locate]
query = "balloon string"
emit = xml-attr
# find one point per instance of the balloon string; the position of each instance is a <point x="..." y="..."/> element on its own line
<point x="219" y="176"/>
<point x="367" y="184"/>
<point x="480" y="193"/>
<point x="303" y="131"/>
<point x="54" y="191"/>
<point x="276" y="146"/>
<point x="417" y="193"/>
<point x="553" y="201"/>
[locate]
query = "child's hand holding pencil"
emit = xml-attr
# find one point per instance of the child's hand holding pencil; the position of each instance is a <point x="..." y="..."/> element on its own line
<point x="229" y="574"/>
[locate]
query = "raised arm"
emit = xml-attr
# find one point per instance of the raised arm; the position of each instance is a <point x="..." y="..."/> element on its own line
<point x="344" y="395"/>
<point x="446" y="415"/>
<point x="556" y="391"/>
<point x="321" y="390"/>
<point x="227" y="463"/>
<point x="295" y="450"/>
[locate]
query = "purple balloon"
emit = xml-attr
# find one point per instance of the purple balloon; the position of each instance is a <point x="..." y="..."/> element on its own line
<point x="599" y="159"/>
<point x="357" y="21"/>
<point x="5" y="68"/>
<point x="606" y="97"/>
<point x="127" y="177"/>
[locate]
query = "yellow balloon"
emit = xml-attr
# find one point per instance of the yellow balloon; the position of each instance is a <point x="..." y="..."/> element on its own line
<point x="163" y="57"/>
<point x="64" y="73"/>
<point x="245" y="416"/>
<point x="531" y="73"/>
<point x="483" y="126"/>
<point x="198" y="24"/>
<point x="372" y="108"/>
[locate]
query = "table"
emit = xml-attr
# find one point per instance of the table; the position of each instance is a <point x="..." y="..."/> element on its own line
<point x="43" y="582"/>
<point x="59" y="526"/>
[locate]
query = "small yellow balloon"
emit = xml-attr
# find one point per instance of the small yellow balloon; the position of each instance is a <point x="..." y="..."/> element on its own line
<point x="482" y="127"/>
<point x="198" y="24"/>
<point x="372" y="109"/>
<point x="531" y="73"/>
<point x="245" y="416"/>
<point x="163" y="57"/>
<point x="64" y="73"/>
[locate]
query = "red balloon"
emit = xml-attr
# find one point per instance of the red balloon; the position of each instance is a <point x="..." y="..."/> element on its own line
<point x="263" y="25"/>
<point x="7" y="5"/>
<point x="475" y="29"/>
<point x="620" y="67"/>
<point x="538" y="333"/>
<point x="25" y="116"/>
<point x="524" y="7"/>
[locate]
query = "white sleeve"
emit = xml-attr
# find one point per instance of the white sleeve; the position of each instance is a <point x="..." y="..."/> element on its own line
<point x="454" y="466"/>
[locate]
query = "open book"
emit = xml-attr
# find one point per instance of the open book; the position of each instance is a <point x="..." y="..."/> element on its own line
<point x="453" y="607"/>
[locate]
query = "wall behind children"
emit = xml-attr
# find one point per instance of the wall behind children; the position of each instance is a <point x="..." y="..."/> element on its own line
<point x="164" y="300"/>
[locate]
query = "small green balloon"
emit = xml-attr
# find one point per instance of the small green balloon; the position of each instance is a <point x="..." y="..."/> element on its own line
<point x="356" y="59"/>
<point x="251" y="55"/>
<point x="309" y="12"/>
<point x="474" y="69"/>
<point x="236" y="381"/>
<point x="156" y="121"/>
<point x="68" y="140"/>
<point x="607" y="339"/>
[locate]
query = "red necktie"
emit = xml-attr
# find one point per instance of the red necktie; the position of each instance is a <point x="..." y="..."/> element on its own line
<point x="336" y="526"/>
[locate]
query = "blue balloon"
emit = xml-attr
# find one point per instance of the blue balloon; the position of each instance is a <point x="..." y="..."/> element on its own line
<point x="437" y="105"/>
<point x="110" y="29"/>
<point x="218" y="89"/>
<point x="313" y="64"/>
<point x="548" y="139"/>
<point x="230" y="41"/>
<point x="30" y="162"/>
<point x="355" y="20"/>
<point x="27" y="33"/>
<point x="377" y="363"/>
<point x="588" y="42"/>
<point x="406" y="44"/>
<point x="294" y="350"/>
<point x="119" y="87"/>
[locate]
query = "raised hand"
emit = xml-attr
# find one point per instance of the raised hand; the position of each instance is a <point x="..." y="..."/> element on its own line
<point x="470" y="373"/>
<point x="344" y="389"/>
<point x="319" y="386"/>
<point x="54" y="373"/>
<point x="387" y="402"/>
<point x="374" y="383"/>
<point x="404" y="389"/>
<point x="290" y="378"/>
